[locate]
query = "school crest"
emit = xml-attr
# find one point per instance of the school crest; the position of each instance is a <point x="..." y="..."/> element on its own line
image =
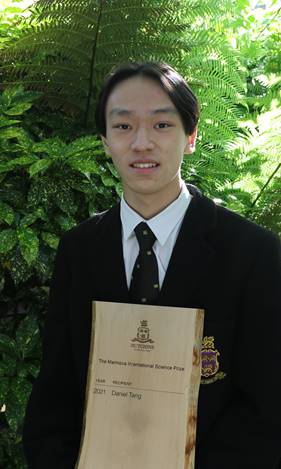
<point x="209" y="357"/>
<point x="210" y="364"/>
<point x="143" y="334"/>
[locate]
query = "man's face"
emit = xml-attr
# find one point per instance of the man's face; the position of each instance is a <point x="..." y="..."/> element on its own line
<point x="146" y="139"/>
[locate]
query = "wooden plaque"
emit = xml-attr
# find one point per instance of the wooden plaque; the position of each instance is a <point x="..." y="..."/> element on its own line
<point x="142" y="390"/>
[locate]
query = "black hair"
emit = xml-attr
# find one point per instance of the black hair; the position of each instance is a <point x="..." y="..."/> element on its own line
<point x="170" y="81"/>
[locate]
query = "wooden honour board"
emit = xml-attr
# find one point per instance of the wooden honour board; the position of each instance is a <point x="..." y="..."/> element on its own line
<point x="142" y="389"/>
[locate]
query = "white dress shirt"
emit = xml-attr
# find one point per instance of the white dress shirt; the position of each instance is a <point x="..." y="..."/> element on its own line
<point x="165" y="226"/>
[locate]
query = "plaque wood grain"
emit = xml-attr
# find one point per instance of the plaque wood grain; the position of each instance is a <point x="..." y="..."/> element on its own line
<point x="142" y="388"/>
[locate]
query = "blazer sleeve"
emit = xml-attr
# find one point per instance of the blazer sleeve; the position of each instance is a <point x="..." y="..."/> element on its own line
<point x="248" y="433"/>
<point x="52" y="423"/>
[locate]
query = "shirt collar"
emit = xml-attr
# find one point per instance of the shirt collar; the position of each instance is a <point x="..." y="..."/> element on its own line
<point x="162" y="224"/>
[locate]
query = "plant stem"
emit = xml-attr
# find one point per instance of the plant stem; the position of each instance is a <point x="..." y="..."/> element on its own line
<point x="265" y="186"/>
<point x="266" y="26"/>
<point x="91" y="78"/>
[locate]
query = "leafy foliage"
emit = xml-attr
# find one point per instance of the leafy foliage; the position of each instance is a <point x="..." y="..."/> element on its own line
<point x="47" y="187"/>
<point x="255" y="32"/>
<point x="11" y="25"/>
<point x="20" y="358"/>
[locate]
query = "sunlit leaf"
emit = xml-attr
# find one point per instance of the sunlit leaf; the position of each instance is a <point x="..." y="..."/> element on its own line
<point x="40" y="165"/>
<point x="54" y="147"/>
<point x="11" y="133"/>
<point x="6" y="122"/>
<point x="18" y="109"/>
<point x="108" y="181"/>
<point x="84" y="165"/>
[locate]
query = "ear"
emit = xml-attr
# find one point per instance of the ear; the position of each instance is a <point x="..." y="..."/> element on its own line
<point x="190" y="143"/>
<point x="105" y="145"/>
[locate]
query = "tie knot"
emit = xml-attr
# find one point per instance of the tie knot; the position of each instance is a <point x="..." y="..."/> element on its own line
<point x="146" y="238"/>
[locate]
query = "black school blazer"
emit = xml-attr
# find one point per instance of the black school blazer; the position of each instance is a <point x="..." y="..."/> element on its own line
<point x="222" y="263"/>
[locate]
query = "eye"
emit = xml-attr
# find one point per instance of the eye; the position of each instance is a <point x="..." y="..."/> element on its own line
<point x="162" y="125"/>
<point x="121" y="126"/>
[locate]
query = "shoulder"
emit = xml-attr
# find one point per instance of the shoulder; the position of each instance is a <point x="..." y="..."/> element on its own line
<point x="89" y="229"/>
<point x="226" y="226"/>
<point x="235" y="225"/>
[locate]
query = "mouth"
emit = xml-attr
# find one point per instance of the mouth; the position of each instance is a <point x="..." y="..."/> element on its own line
<point x="144" y="165"/>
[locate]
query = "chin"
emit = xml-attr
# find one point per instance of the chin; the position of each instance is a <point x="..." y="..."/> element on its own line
<point x="145" y="189"/>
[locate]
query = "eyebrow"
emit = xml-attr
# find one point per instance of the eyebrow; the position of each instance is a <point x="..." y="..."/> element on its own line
<point x="126" y="112"/>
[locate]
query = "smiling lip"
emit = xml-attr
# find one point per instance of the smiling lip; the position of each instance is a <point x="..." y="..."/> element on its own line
<point x="144" y="165"/>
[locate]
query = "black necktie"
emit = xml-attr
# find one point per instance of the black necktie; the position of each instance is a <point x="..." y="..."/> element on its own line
<point x="144" y="286"/>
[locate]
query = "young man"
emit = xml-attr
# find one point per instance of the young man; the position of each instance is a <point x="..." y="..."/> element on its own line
<point x="205" y="256"/>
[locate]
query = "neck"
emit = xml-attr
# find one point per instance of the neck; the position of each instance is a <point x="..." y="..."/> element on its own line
<point x="150" y="205"/>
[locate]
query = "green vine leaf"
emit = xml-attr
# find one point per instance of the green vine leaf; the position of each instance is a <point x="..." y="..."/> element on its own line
<point x="4" y="122"/>
<point x="87" y="143"/>
<point x="29" y="244"/>
<point x="18" y="109"/>
<point x="28" y="220"/>
<point x="66" y="222"/>
<point x="21" y="161"/>
<point x="84" y="165"/>
<point x="6" y="213"/>
<point x="50" y="239"/>
<point x="27" y="335"/>
<point x="8" y="346"/>
<point x="11" y="133"/>
<point x="20" y="270"/>
<point x="108" y="181"/>
<point x="53" y="147"/>
<point x="40" y="165"/>
<point x="113" y="170"/>
<point x="29" y="369"/>
<point x="8" y="239"/>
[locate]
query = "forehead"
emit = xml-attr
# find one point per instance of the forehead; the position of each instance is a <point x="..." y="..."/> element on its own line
<point x="138" y="94"/>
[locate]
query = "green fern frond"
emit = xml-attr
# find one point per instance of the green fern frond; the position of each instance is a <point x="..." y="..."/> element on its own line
<point x="71" y="45"/>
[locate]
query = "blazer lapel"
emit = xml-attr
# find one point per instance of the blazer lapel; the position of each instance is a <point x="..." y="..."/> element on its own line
<point x="192" y="255"/>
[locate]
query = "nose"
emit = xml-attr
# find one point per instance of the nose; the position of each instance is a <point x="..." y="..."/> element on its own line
<point x="142" y="140"/>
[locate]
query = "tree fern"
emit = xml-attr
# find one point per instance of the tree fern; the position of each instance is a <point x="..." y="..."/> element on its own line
<point x="69" y="42"/>
<point x="70" y="45"/>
